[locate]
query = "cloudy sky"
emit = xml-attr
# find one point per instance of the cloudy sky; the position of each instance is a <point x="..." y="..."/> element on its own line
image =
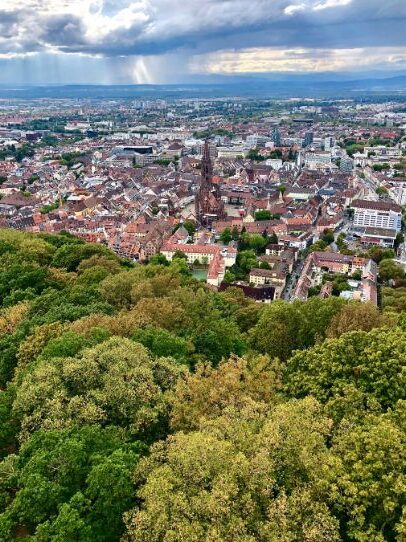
<point x="169" y="41"/>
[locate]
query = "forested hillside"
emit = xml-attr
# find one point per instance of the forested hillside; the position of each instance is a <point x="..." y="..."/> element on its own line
<point x="138" y="405"/>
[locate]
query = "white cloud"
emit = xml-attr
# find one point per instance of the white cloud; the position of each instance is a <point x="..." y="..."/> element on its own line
<point x="328" y="4"/>
<point x="210" y="36"/>
<point x="294" y="8"/>
<point x="125" y="27"/>
<point x="264" y="60"/>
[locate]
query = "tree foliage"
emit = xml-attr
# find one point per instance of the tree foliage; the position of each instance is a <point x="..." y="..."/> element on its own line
<point x="284" y="327"/>
<point x="368" y="367"/>
<point x="137" y="404"/>
<point x="69" y="483"/>
<point x="389" y="269"/>
<point x="115" y="382"/>
<point x="238" y="479"/>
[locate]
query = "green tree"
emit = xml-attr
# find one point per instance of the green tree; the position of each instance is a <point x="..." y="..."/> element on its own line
<point x="378" y="254"/>
<point x="116" y="289"/>
<point x="273" y="239"/>
<point x="72" y="482"/>
<point x="240" y="478"/>
<point x="389" y="269"/>
<point x="229" y="277"/>
<point x="179" y="255"/>
<point x="263" y="215"/>
<point x="70" y="256"/>
<point x="381" y="191"/>
<point x="218" y="339"/>
<point x="253" y="154"/>
<point x="257" y="243"/>
<point x="359" y="370"/>
<point x="284" y="327"/>
<point x="400" y="238"/>
<point x="356" y="316"/>
<point x="328" y="237"/>
<point x="315" y="317"/>
<point x="206" y="393"/>
<point x="161" y="342"/>
<point x="235" y="233"/>
<point x="246" y="260"/>
<point x="380" y="167"/>
<point x="158" y="259"/>
<point x="340" y="284"/>
<point x="318" y="246"/>
<point x="226" y="236"/>
<point x="357" y="275"/>
<point x="276" y="333"/>
<point x="368" y="491"/>
<point x="112" y="266"/>
<point x="115" y="382"/>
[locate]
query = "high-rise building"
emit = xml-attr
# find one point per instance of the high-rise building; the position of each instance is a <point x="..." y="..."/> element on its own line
<point x="276" y="136"/>
<point x="208" y="203"/>
<point x="329" y="142"/>
<point x="346" y="164"/>
<point x="308" y="139"/>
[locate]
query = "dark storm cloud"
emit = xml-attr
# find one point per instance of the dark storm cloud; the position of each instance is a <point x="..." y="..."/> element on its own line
<point x="62" y="31"/>
<point x="8" y="24"/>
<point x="146" y="27"/>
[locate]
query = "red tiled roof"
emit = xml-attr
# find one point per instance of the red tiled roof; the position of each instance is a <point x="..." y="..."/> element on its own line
<point x="376" y="205"/>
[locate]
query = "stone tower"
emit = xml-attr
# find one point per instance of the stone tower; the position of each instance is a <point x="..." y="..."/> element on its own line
<point x="208" y="203"/>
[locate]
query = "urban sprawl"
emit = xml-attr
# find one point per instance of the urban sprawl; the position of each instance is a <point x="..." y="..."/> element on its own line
<point x="285" y="199"/>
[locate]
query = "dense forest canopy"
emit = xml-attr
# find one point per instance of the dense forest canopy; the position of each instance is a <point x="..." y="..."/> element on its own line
<point x="137" y="404"/>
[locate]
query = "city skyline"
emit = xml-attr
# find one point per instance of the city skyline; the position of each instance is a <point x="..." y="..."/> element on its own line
<point x="162" y="41"/>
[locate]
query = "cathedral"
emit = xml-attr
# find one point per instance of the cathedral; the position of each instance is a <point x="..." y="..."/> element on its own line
<point x="208" y="203"/>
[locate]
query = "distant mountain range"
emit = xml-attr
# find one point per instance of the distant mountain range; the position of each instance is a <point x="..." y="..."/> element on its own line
<point x="249" y="86"/>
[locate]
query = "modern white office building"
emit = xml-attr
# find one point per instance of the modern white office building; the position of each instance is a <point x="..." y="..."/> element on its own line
<point x="377" y="214"/>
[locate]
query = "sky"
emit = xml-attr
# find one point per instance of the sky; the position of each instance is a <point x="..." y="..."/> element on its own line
<point x="186" y="41"/>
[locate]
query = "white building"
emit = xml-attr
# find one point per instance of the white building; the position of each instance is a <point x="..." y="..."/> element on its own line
<point x="329" y="143"/>
<point x="275" y="163"/>
<point x="377" y="214"/>
<point x="257" y="140"/>
<point x="218" y="258"/>
<point x="317" y="160"/>
<point x="231" y="152"/>
<point x="382" y="153"/>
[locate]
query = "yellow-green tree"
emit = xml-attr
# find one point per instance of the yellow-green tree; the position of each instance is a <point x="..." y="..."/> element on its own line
<point x="116" y="382"/>
<point x="369" y="366"/>
<point x="226" y="484"/>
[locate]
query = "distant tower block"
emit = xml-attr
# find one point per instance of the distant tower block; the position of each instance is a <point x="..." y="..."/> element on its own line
<point x="276" y="136"/>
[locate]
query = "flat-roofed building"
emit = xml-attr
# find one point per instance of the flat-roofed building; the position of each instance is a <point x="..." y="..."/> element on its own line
<point x="377" y="214"/>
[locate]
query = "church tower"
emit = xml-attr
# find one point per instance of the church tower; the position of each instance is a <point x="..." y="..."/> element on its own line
<point x="207" y="167"/>
<point x="208" y="203"/>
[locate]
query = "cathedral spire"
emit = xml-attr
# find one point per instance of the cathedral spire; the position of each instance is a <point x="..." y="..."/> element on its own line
<point x="208" y="203"/>
<point x="207" y="167"/>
